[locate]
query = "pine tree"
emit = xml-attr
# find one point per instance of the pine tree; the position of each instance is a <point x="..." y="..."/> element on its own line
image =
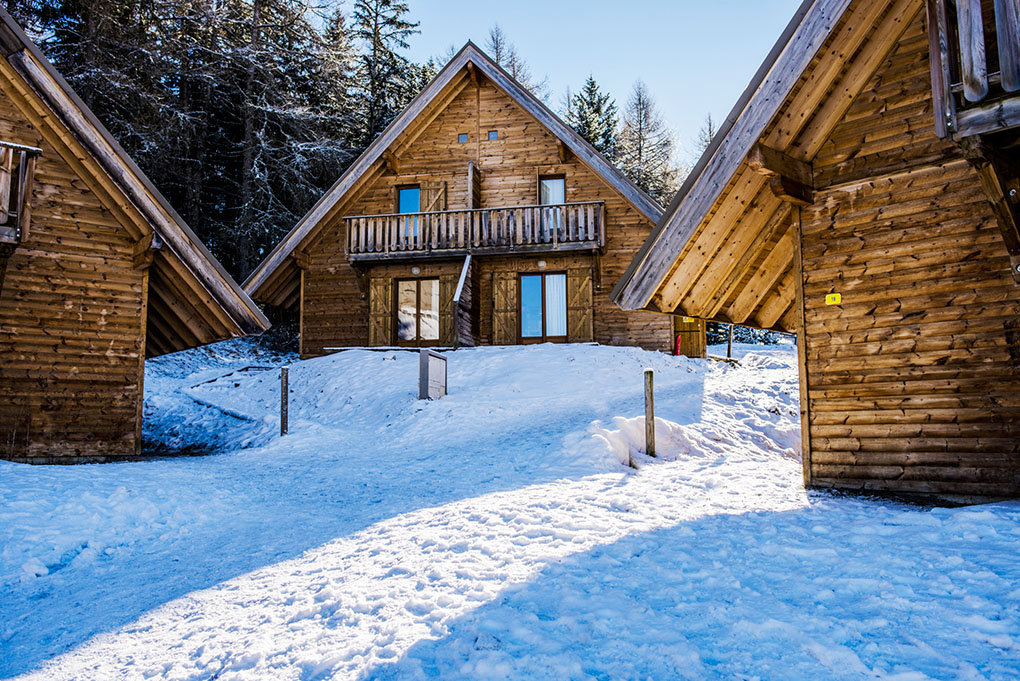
<point x="646" y="147"/>
<point x="381" y="26"/>
<point x="504" y="53"/>
<point x="705" y="134"/>
<point x="592" y="113"/>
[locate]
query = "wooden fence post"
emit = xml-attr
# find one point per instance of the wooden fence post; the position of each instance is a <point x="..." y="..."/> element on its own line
<point x="284" y="398"/>
<point x="649" y="415"/>
<point x="729" y="344"/>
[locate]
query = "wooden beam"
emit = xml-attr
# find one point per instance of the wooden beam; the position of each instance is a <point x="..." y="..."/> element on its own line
<point x="145" y="251"/>
<point x="971" y="31"/>
<point x="392" y="162"/>
<point x="770" y="162"/>
<point x="473" y="72"/>
<point x="938" y="55"/>
<point x="562" y="151"/>
<point x="1007" y="30"/>
<point x="789" y="179"/>
<point x="1000" y="178"/>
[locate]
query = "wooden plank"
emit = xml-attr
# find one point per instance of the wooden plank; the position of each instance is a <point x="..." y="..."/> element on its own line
<point x="971" y="33"/>
<point x="1007" y="36"/>
<point x="938" y="55"/>
<point x="802" y="368"/>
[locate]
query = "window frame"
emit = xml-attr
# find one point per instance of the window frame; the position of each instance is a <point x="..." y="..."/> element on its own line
<point x="417" y="341"/>
<point x="396" y="196"/>
<point x="465" y="136"/>
<point x="544" y="338"/>
<point x="492" y="136"/>
<point x="538" y="188"/>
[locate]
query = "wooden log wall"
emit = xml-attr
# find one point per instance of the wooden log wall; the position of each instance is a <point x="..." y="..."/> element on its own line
<point x="913" y="379"/>
<point x="335" y="299"/>
<point x="72" y="330"/>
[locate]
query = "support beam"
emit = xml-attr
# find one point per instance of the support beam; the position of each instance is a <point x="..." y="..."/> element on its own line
<point x="145" y="251"/>
<point x="1000" y="179"/>
<point x="789" y="179"/>
<point x="392" y="162"/>
<point x="562" y="151"/>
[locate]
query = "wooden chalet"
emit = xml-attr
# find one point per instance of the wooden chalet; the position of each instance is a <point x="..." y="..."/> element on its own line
<point x="863" y="193"/>
<point x="96" y="273"/>
<point x="476" y="217"/>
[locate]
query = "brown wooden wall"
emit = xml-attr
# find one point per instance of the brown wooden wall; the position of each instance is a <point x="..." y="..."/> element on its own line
<point x="72" y="314"/>
<point x="914" y="379"/>
<point x="335" y="306"/>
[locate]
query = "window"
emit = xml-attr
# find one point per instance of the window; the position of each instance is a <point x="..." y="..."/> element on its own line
<point x="462" y="137"/>
<point x="408" y="201"/>
<point x="543" y="311"/>
<point x="493" y="135"/>
<point x="551" y="192"/>
<point x="417" y="311"/>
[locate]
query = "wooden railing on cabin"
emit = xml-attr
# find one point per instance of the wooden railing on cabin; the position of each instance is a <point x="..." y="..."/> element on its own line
<point x="975" y="55"/>
<point x="481" y="230"/>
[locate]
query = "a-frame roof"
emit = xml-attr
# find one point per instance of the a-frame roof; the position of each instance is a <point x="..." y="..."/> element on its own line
<point x="699" y="258"/>
<point x="192" y="299"/>
<point x="470" y="56"/>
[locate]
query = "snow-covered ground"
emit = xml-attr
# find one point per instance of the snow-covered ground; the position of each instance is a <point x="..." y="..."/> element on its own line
<point x="493" y="534"/>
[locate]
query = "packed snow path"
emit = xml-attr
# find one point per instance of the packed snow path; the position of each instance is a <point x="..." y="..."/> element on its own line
<point x="491" y="534"/>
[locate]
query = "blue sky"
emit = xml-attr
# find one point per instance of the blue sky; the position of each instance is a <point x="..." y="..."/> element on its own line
<point x="695" y="57"/>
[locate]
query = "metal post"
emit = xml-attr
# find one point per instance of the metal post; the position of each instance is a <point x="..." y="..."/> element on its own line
<point x="649" y="415"/>
<point x="729" y="344"/>
<point x="284" y="398"/>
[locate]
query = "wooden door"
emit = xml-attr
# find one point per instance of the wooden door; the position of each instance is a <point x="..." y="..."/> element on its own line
<point x="380" y="311"/>
<point x="689" y="335"/>
<point x="579" y="306"/>
<point x="504" y="308"/>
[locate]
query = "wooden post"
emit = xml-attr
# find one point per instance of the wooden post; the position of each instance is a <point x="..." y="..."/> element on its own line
<point x="284" y="399"/>
<point x="729" y="344"/>
<point x="649" y="415"/>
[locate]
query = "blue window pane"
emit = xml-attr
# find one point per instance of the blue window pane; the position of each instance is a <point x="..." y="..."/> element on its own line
<point x="409" y="200"/>
<point x="531" y="306"/>
<point x="556" y="305"/>
<point x="493" y="135"/>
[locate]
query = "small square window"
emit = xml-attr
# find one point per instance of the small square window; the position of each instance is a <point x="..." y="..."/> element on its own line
<point x="493" y="135"/>
<point x="462" y="137"/>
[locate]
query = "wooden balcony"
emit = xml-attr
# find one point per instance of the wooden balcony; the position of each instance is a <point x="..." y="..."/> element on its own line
<point x="975" y="61"/>
<point x="515" y="229"/>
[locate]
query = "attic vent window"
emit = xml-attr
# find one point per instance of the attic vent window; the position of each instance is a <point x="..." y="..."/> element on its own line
<point x="462" y="137"/>
<point x="493" y="135"/>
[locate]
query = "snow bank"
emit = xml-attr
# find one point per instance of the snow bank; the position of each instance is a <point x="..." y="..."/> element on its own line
<point x="491" y="534"/>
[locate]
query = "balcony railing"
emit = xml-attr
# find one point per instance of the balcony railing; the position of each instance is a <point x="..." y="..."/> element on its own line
<point x="568" y="226"/>
<point x="975" y="57"/>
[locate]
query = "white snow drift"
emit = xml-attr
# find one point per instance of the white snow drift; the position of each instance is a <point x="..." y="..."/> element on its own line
<point x="493" y="534"/>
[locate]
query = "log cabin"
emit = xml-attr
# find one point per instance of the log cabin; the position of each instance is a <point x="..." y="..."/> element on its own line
<point x="97" y="272"/>
<point x="863" y="194"/>
<point x="476" y="217"/>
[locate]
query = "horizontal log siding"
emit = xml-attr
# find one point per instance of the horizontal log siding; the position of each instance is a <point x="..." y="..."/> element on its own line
<point x="71" y="322"/>
<point x="336" y="314"/>
<point x="913" y="379"/>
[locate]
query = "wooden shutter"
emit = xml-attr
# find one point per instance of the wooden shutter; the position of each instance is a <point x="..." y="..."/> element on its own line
<point x="690" y="336"/>
<point x="433" y="196"/>
<point x="504" y="308"/>
<point x="380" y="311"/>
<point x="579" y="306"/>
<point x="447" y="316"/>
